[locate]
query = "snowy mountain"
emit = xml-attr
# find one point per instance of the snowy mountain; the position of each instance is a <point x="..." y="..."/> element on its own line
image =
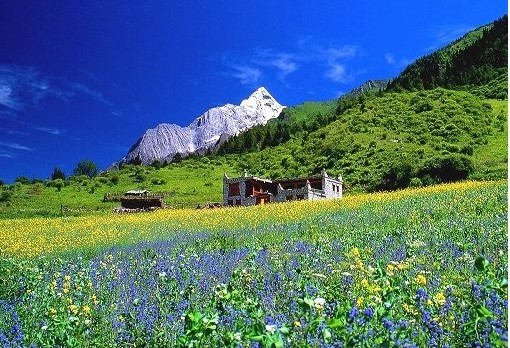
<point x="217" y="124"/>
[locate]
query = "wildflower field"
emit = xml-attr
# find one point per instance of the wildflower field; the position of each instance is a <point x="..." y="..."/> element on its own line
<point x="413" y="268"/>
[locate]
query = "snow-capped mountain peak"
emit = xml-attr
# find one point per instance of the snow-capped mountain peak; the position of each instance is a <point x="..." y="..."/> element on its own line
<point x="166" y="140"/>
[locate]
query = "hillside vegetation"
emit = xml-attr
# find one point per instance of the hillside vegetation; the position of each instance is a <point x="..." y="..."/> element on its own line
<point x="392" y="141"/>
<point x="474" y="60"/>
<point x="186" y="184"/>
<point x="444" y="118"/>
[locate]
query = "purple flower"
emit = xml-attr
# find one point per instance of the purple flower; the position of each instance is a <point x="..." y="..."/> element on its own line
<point x="353" y="313"/>
<point x="369" y="312"/>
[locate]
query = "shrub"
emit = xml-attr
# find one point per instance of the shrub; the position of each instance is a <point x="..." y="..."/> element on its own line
<point x="157" y="181"/>
<point x="22" y="180"/>
<point x="447" y="168"/>
<point x="57" y="183"/>
<point x="5" y="196"/>
<point x="114" y="178"/>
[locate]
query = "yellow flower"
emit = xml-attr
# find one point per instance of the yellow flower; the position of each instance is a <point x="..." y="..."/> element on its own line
<point x="86" y="310"/>
<point x="376" y="289"/>
<point x="359" y="302"/>
<point x="297" y="324"/>
<point x="73" y="308"/>
<point x="355" y="252"/>
<point x="402" y="266"/>
<point x="439" y="298"/>
<point x="390" y="268"/>
<point x="364" y="283"/>
<point x="421" y="280"/>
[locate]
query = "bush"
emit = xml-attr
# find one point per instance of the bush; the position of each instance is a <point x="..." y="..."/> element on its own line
<point x="416" y="182"/>
<point x="397" y="176"/>
<point x="114" y="178"/>
<point x="57" y="183"/>
<point x="156" y="181"/>
<point x="22" y="180"/>
<point x="447" y="168"/>
<point x="5" y="196"/>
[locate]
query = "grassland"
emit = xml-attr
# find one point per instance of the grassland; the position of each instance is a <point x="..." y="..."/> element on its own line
<point x="409" y="268"/>
<point x="185" y="184"/>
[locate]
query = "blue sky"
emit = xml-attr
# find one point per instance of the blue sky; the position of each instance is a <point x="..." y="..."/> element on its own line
<point x="84" y="79"/>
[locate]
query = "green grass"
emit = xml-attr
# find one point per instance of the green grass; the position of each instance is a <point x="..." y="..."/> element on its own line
<point x="491" y="159"/>
<point x="187" y="184"/>
<point x="363" y="145"/>
<point x="425" y="266"/>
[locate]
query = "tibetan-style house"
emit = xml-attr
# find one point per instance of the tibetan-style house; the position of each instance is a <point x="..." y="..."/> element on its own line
<point x="251" y="190"/>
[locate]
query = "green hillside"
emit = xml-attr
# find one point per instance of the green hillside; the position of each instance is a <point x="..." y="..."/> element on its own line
<point x="474" y="60"/>
<point x="393" y="141"/>
<point x="185" y="184"/>
<point x="415" y="133"/>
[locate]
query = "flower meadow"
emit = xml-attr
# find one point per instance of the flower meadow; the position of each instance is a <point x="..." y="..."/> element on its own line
<point x="413" y="268"/>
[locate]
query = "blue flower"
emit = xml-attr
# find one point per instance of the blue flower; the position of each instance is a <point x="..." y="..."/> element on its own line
<point x="369" y="312"/>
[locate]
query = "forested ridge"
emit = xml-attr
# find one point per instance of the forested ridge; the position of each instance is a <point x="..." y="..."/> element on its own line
<point x="476" y="59"/>
<point x="430" y="124"/>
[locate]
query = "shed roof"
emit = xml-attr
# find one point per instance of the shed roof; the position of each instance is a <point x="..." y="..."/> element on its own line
<point x="136" y="192"/>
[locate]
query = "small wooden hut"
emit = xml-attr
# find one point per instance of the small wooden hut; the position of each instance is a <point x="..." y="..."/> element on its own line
<point x="141" y="199"/>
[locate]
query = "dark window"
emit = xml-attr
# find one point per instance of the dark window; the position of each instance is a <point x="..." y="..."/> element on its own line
<point x="233" y="189"/>
<point x="300" y="197"/>
<point x="288" y="198"/>
<point x="237" y="202"/>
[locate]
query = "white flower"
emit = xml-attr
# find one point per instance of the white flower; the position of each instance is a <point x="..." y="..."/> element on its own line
<point x="44" y="328"/>
<point x="87" y="322"/>
<point x="237" y="336"/>
<point x="162" y="274"/>
<point x="271" y="328"/>
<point x="319" y="303"/>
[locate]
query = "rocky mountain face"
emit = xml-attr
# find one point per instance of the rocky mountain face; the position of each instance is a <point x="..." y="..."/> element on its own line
<point x="370" y="86"/>
<point x="214" y="126"/>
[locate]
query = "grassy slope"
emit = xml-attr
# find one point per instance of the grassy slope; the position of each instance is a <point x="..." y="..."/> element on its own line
<point x="40" y="236"/>
<point x="360" y="145"/>
<point x="491" y="160"/>
<point x="408" y="126"/>
<point x="307" y="111"/>
<point x="190" y="183"/>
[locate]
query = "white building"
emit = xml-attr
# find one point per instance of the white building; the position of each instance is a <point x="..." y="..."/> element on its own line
<point x="251" y="190"/>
